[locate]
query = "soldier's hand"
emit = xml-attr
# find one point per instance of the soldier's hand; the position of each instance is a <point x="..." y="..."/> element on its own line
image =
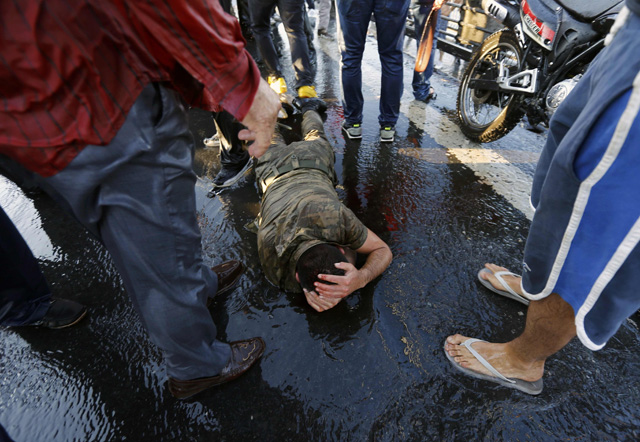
<point x="342" y="285"/>
<point x="261" y="120"/>
<point x="318" y="303"/>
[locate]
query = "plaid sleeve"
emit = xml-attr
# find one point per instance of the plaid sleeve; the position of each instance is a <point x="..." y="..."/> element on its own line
<point x="207" y="43"/>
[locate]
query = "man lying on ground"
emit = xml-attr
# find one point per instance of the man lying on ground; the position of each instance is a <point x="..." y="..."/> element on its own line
<point x="308" y="239"/>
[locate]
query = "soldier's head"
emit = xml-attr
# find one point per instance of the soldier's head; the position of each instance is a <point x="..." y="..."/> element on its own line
<point x="319" y="259"/>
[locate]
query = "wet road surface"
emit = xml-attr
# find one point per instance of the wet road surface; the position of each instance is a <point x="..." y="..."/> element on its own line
<point x="373" y="367"/>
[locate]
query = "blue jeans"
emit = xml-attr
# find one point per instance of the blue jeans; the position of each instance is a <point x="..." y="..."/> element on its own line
<point x="421" y="80"/>
<point x="24" y="293"/>
<point x="353" y="20"/>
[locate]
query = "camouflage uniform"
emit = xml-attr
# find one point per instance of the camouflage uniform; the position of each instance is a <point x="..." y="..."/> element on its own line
<point x="300" y="207"/>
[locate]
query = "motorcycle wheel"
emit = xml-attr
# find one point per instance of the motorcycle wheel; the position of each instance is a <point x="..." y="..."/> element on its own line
<point x="487" y="115"/>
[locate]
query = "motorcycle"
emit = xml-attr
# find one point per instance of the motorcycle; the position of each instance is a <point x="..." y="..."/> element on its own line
<point x="530" y="66"/>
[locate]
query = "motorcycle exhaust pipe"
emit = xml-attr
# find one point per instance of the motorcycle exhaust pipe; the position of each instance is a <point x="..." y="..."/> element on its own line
<point x="505" y="13"/>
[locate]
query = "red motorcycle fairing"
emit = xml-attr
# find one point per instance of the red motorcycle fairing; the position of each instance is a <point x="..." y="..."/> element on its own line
<point x="540" y="25"/>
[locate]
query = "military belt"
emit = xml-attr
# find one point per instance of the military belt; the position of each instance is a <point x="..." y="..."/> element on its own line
<point x="277" y="172"/>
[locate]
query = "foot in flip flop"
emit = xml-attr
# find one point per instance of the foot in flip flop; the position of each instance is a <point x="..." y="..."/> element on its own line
<point x="501" y="281"/>
<point x="466" y="355"/>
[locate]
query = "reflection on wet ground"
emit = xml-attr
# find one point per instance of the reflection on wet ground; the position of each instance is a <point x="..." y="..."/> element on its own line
<point x="370" y="369"/>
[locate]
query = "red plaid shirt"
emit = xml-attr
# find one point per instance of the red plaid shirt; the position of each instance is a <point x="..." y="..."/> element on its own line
<point x="70" y="70"/>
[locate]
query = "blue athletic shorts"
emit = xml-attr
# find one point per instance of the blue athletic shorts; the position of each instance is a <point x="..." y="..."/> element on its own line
<point x="583" y="241"/>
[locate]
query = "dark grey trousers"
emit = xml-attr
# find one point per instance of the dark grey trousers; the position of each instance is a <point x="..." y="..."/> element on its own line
<point x="137" y="196"/>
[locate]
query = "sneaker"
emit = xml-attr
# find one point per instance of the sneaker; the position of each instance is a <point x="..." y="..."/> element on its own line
<point x="229" y="175"/>
<point x="307" y="104"/>
<point x="277" y="84"/>
<point x="387" y="134"/>
<point x="62" y="313"/>
<point x="213" y="141"/>
<point x="307" y="92"/>
<point x="322" y="32"/>
<point x="353" y="130"/>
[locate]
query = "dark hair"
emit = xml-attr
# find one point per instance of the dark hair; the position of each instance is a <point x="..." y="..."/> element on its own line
<point x="319" y="259"/>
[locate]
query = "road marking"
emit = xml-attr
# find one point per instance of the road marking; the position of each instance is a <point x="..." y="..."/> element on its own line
<point x="26" y="218"/>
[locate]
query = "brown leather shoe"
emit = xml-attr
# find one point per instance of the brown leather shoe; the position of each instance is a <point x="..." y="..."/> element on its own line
<point x="243" y="355"/>
<point x="229" y="274"/>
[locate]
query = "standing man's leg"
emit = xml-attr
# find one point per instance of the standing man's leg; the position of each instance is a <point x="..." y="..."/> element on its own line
<point x="584" y="241"/>
<point x="421" y="83"/>
<point x="244" y="17"/>
<point x="138" y="197"/>
<point x="324" y="15"/>
<point x="292" y="13"/>
<point x="390" y="20"/>
<point x="25" y="296"/>
<point x="352" y="25"/>
<point x="24" y="293"/>
<point x="261" y="12"/>
<point x="308" y="32"/>
<point x="549" y="327"/>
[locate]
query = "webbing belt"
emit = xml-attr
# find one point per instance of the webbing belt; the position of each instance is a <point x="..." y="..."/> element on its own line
<point x="277" y="172"/>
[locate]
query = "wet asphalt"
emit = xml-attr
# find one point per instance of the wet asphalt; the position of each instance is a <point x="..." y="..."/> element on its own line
<point x="373" y="367"/>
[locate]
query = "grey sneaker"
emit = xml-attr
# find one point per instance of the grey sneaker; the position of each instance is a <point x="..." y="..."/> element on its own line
<point x="353" y="130"/>
<point x="387" y="133"/>
<point x="213" y="141"/>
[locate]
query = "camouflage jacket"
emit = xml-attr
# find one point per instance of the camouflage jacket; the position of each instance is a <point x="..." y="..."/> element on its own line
<point x="301" y="209"/>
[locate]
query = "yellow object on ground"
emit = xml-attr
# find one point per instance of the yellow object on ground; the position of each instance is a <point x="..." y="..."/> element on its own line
<point x="307" y="92"/>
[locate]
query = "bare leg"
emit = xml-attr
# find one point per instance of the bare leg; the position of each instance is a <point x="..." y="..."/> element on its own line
<point x="550" y="326"/>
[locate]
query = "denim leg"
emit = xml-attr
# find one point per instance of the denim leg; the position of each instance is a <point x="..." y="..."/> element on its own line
<point x="137" y="195"/>
<point x="292" y="14"/>
<point x="324" y="13"/>
<point x="24" y="293"/>
<point x="352" y="24"/>
<point x="421" y="80"/>
<point x="261" y="12"/>
<point x="390" y="17"/>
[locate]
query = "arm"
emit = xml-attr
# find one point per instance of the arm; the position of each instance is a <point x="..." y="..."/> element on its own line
<point x="261" y="120"/>
<point x="378" y="259"/>
<point x="208" y="43"/>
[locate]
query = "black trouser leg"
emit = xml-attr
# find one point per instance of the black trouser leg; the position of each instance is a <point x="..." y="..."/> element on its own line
<point x="231" y="151"/>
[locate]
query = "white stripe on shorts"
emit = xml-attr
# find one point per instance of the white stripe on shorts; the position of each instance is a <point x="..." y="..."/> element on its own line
<point x="624" y="249"/>
<point x="617" y="140"/>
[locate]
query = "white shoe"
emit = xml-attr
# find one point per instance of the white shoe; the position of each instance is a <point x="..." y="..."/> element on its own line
<point x="213" y="141"/>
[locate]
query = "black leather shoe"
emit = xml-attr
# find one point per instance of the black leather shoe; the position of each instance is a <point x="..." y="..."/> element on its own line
<point x="307" y="104"/>
<point x="243" y="355"/>
<point x="229" y="175"/>
<point x="229" y="274"/>
<point x="62" y="313"/>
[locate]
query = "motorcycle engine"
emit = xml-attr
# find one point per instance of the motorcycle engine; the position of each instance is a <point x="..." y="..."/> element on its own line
<point x="559" y="92"/>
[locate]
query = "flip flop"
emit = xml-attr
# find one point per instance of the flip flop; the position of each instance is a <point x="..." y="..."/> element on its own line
<point x="533" y="388"/>
<point x="509" y="292"/>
